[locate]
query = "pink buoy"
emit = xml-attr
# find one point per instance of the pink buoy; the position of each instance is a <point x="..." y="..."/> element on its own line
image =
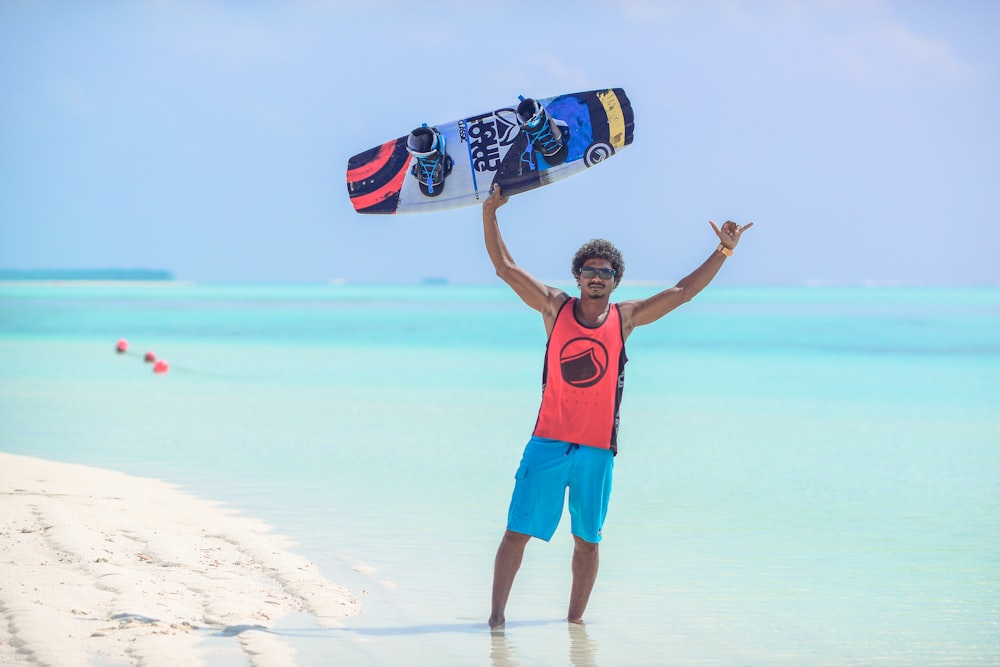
<point x="122" y="346"/>
<point x="161" y="366"/>
<point x="150" y="357"/>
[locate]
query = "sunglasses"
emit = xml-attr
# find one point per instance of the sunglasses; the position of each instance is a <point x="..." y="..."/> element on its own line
<point x="590" y="272"/>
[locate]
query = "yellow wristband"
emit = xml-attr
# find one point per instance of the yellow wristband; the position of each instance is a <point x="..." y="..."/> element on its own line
<point x="728" y="252"/>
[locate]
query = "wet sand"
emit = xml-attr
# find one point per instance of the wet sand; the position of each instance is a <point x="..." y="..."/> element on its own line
<point x="98" y="567"/>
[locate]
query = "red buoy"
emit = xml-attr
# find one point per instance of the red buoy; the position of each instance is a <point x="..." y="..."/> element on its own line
<point x="161" y="366"/>
<point x="122" y="346"/>
<point x="150" y="357"/>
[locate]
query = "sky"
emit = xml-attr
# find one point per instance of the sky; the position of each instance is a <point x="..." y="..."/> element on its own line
<point x="210" y="138"/>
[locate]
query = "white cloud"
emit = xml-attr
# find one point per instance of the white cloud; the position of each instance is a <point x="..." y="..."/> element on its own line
<point x="221" y="33"/>
<point x="891" y="55"/>
<point x="70" y="95"/>
<point x="651" y="10"/>
<point x="569" y="74"/>
<point x="869" y="43"/>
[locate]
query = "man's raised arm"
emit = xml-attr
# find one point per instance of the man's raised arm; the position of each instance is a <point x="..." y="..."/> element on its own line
<point x="645" y="311"/>
<point x="539" y="296"/>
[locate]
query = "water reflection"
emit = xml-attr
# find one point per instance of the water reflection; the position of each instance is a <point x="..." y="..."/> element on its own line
<point x="501" y="650"/>
<point x="582" y="649"/>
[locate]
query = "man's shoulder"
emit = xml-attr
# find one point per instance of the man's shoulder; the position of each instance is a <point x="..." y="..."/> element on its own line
<point x="559" y="298"/>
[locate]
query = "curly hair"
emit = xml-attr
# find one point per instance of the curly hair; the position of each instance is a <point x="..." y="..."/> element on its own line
<point x="599" y="249"/>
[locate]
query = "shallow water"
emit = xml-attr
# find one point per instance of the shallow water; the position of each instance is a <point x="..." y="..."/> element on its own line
<point x="806" y="477"/>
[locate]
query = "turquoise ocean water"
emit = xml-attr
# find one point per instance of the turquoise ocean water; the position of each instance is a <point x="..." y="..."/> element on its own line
<point x="807" y="476"/>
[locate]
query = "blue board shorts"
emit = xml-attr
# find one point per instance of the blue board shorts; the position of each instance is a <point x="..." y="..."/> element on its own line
<point x="548" y="468"/>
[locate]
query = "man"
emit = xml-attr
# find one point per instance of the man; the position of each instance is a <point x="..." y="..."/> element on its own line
<point x="575" y="437"/>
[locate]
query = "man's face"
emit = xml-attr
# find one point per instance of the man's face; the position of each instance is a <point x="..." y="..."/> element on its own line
<point x="592" y="283"/>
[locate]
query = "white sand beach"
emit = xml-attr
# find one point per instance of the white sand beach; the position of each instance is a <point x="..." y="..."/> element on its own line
<point x="97" y="567"/>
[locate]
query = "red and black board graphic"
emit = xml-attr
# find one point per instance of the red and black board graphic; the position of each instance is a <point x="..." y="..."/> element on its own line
<point x="493" y="147"/>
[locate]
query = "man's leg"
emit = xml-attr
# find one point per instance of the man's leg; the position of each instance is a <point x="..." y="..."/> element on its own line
<point x="505" y="568"/>
<point x="589" y="493"/>
<point x="585" y="563"/>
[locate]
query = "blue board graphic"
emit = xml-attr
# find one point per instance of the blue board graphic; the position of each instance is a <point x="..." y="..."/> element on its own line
<point x="492" y="147"/>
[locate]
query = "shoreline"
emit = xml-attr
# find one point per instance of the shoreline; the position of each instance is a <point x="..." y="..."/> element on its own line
<point x="90" y="282"/>
<point x="101" y="567"/>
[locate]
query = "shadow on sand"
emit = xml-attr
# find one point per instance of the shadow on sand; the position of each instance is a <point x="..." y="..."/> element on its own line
<point x="503" y="651"/>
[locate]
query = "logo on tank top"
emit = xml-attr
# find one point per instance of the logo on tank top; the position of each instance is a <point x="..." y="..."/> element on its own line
<point x="583" y="362"/>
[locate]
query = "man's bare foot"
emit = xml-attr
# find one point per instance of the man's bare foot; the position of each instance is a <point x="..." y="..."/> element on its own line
<point x="497" y="623"/>
<point x="578" y="621"/>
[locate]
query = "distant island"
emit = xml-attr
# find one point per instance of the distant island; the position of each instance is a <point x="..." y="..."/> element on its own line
<point x="86" y="274"/>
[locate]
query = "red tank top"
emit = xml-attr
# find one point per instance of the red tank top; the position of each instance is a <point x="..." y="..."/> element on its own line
<point x="582" y="380"/>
